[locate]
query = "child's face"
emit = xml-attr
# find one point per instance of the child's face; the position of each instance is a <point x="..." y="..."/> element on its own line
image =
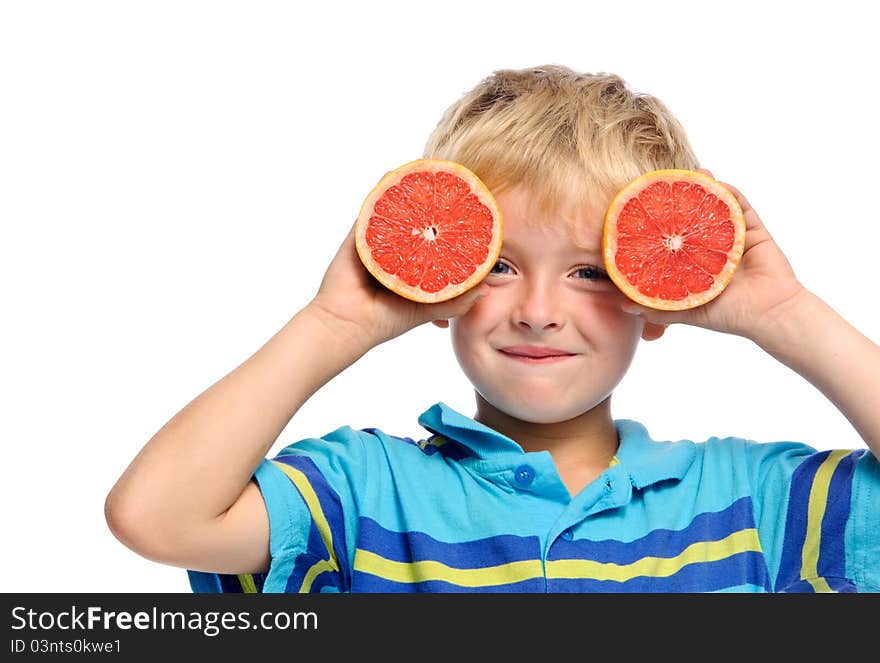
<point x="549" y="342"/>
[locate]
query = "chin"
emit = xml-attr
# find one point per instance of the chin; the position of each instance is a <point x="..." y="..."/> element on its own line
<point x="544" y="411"/>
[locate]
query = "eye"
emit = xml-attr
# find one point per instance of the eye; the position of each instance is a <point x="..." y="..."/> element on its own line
<point x="500" y="267"/>
<point x="591" y="273"/>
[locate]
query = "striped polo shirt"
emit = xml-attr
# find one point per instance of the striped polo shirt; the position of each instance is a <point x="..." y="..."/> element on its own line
<point x="467" y="510"/>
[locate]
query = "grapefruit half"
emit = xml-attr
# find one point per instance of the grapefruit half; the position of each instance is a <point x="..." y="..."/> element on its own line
<point x="673" y="239"/>
<point x="429" y="230"/>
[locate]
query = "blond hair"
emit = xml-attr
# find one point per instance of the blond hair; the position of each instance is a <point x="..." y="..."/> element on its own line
<point x="558" y="132"/>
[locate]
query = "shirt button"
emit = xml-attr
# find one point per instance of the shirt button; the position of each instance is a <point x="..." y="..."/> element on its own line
<point x="524" y="475"/>
<point x="568" y="535"/>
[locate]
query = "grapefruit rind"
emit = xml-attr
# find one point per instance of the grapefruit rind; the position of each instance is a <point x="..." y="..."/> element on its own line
<point x="391" y="281"/>
<point x="721" y="278"/>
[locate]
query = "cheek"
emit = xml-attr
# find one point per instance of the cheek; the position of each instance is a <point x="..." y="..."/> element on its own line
<point x="602" y="315"/>
<point x="482" y="317"/>
<point x="469" y="332"/>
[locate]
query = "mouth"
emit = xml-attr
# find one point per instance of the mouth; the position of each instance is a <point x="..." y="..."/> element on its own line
<point x="535" y="354"/>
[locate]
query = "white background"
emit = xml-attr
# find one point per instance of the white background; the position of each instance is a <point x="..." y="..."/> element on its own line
<point x="175" y="176"/>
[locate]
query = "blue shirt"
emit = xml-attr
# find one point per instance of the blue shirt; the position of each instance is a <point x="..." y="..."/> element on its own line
<point x="467" y="510"/>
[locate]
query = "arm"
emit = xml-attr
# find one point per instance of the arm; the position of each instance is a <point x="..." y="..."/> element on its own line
<point x="187" y="498"/>
<point x="767" y="304"/>
<point x="809" y="337"/>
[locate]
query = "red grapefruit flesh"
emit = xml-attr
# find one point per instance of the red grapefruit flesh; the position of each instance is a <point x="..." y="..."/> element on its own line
<point x="429" y="230"/>
<point x="673" y="239"/>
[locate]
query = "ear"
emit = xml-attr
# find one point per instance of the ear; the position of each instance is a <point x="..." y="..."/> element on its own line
<point x="652" y="331"/>
<point x="443" y="324"/>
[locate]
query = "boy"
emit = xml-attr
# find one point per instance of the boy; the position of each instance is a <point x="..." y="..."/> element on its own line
<point x="542" y="490"/>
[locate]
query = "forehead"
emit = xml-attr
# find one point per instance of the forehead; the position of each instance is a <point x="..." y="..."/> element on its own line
<point x="580" y="217"/>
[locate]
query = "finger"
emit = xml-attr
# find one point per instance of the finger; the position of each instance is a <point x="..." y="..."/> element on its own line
<point x="458" y="305"/>
<point x="692" y="316"/>
<point x="753" y="221"/>
<point x="348" y="243"/>
<point x="649" y="314"/>
<point x="740" y="198"/>
<point x="351" y="232"/>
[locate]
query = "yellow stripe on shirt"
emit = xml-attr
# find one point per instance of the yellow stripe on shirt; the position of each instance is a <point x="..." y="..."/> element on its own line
<point x="513" y="572"/>
<point x="426" y="570"/>
<point x="248" y="586"/>
<point x="657" y="567"/>
<point x="436" y="441"/>
<point x="311" y="499"/>
<point x="815" y="514"/>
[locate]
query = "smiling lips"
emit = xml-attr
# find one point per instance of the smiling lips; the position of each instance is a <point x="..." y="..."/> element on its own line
<point x="535" y="354"/>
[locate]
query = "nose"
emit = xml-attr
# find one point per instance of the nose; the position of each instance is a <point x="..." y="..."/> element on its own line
<point x="539" y="308"/>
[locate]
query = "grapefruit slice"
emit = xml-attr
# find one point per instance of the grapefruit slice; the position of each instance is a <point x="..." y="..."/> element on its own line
<point x="673" y="239"/>
<point x="429" y="230"/>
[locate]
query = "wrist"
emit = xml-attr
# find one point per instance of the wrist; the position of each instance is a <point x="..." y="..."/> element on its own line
<point x="338" y="334"/>
<point x="791" y="323"/>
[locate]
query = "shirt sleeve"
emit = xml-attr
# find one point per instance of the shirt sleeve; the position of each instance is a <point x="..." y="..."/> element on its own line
<point x="819" y="518"/>
<point x="308" y="489"/>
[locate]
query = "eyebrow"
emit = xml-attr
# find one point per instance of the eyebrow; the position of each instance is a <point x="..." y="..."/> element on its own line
<point x="597" y="253"/>
<point x="593" y="251"/>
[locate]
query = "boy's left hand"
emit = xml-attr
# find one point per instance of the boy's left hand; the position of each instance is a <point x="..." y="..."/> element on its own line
<point x="761" y="286"/>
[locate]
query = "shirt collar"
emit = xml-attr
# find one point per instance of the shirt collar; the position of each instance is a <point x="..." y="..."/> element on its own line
<point x="646" y="461"/>
<point x="479" y="439"/>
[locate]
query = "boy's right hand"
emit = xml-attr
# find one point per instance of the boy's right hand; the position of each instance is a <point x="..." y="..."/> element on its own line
<point x="357" y="305"/>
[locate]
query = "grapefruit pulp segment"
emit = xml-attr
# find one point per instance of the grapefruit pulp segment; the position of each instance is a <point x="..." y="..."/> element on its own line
<point x="429" y="230"/>
<point x="673" y="238"/>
